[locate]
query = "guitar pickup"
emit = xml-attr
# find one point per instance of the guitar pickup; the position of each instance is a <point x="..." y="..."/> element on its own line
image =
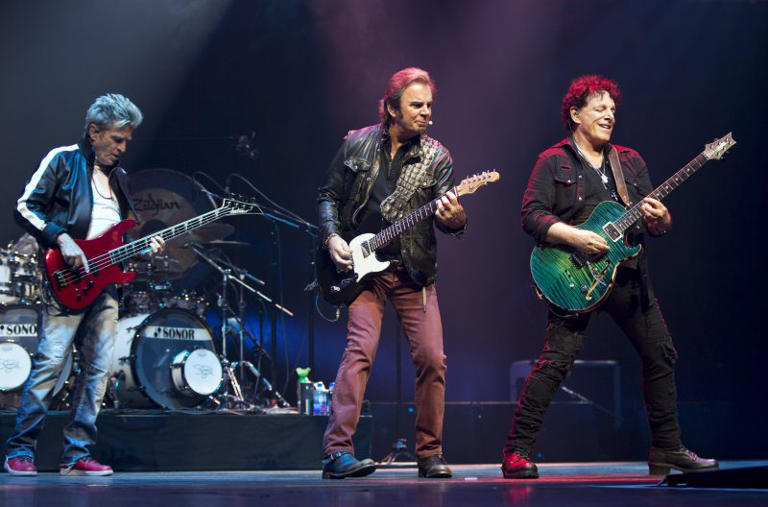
<point x="612" y="232"/>
<point x="366" y="248"/>
<point x="578" y="260"/>
<point x="60" y="279"/>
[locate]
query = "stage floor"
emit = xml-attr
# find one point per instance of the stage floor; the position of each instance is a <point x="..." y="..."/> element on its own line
<point x="622" y="483"/>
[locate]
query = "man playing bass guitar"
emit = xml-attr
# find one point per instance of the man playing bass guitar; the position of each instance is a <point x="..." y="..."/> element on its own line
<point x="379" y="174"/>
<point x="568" y="181"/>
<point x="78" y="191"/>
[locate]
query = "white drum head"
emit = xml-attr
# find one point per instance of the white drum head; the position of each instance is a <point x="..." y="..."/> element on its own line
<point x="15" y="365"/>
<point x="202" y="371"/>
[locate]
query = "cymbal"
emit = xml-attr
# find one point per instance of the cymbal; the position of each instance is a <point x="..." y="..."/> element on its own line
<point x="165" y="198"/>
<point x="206" y="234"/>
<point x="227" y="242"/>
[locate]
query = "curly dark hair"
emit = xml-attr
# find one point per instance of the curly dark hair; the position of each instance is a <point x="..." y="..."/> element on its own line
<point x="581" y="89"/>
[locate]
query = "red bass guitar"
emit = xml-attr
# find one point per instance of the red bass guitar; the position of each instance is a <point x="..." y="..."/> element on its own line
<point x="76" y="287"/>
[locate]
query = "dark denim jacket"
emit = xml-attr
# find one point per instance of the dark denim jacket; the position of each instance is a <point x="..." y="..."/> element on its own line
<point x="348" y="186"/>
<point x="555" y="193"/>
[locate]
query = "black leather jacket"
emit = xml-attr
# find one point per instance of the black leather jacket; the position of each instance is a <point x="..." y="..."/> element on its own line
<point x="348" y="186"/>
<point x="58" y="197"/>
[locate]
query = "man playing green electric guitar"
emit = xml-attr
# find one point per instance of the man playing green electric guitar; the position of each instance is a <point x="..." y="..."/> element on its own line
<point x="597" y="266"/>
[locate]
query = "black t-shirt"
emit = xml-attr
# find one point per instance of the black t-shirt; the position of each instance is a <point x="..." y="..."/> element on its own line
<point x="386" y="181"/>
<point x="595" y="191"/>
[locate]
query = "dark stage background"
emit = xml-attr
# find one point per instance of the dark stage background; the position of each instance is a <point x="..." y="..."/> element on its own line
<point x="298" y="75"/>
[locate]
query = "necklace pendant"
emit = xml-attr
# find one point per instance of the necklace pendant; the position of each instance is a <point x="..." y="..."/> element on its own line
<point x="604" y="178"/>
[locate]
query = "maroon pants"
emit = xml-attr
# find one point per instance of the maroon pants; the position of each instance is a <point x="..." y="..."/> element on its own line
<point x="423" y="328"/>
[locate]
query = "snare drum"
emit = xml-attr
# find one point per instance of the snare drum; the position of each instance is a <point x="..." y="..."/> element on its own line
<point x="18" y="343"/>
<point x="138" y="302"/>
<point x="150" y="347"/>
<point x="186" y="299"/>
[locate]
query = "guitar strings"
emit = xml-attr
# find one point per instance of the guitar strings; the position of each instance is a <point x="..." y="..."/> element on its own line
<point x="135" y="247"/>
<point x="106" y="259"/>
<point x="386" y="235"/>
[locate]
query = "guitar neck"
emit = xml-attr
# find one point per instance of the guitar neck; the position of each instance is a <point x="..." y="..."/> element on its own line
<point x="133" y="248"/>
<point x="386" y="236"/>
<point x="634" y="213"/>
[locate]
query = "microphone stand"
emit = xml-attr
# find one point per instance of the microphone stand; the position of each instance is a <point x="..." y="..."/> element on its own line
<point x="285" y="217"/>
<point x="277" y="216"/>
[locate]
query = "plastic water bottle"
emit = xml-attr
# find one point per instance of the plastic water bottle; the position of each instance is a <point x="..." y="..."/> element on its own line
<point x="320" y="400"/>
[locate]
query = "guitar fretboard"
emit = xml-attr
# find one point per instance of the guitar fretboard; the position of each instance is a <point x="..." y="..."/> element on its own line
<point x="128" y="250"/>
<point x="388" y="234"/>
<point x="634" y="213"/>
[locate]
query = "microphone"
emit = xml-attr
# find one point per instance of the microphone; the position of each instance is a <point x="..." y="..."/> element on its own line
<point x="430" y="123"/>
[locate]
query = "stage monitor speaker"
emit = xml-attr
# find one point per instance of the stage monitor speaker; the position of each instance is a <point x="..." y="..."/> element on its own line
<point x="745" y="477"/>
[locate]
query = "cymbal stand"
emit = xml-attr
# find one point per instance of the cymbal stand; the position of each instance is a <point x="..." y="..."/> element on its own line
<point x="226" y="277"/>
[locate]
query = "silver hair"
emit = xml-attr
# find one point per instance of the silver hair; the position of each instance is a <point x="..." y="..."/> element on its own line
<point x="113" y="111"/>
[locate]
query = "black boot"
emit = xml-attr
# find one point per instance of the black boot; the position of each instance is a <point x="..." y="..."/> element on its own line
<point x="434" y="467"/>
<point x="685" y="460"/>
<point x="342" y="464"/>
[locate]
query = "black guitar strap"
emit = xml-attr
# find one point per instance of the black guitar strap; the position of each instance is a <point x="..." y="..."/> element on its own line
<point x="618" y="175"/>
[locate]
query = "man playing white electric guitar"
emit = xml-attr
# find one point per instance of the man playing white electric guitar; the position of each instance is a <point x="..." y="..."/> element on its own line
<point x="381" y="174"/>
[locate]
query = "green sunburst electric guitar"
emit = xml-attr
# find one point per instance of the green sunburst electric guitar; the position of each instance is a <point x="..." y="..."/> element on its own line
<point x="572" y="282"/>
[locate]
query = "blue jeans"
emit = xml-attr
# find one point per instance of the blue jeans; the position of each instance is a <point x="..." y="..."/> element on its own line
<point x="93" y="330"/>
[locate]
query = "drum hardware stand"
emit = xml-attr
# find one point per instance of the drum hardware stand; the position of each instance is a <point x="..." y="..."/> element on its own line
<point x="279" y="215"/>
<point x="113" y="387"/>
<point x="257" y="374"/>
<point x="226" y="277"/>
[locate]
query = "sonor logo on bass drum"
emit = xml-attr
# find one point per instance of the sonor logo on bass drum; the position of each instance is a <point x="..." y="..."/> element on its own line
<point x="15" y="329"/>
<point x="176" y="333"/>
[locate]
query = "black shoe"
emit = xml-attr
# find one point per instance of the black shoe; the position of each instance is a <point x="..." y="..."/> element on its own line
<point x="685" y="460"/>
<point x="517" y="465"/>
<point x="434" y="467"/>
<point x="342" y="464"/>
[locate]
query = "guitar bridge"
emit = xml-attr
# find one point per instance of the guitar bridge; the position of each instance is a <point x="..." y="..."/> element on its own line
<point x="598" y="280"/>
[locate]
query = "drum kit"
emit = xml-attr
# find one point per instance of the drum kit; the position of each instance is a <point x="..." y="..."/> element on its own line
<point x="165" y="354"/>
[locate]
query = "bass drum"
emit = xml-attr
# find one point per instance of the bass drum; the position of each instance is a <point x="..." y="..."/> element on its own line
<point x="148" y="346"/>
<point x="18" y="343"/>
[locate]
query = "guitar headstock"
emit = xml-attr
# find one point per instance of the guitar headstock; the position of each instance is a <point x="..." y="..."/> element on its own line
<point x="470" y="184"/>
<point x="240" y="204"/>
<point x="717" y="148"/>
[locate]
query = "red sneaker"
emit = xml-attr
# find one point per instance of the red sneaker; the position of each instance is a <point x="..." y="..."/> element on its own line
<point x="20" y="465"/>
<point x="86" y="466"/>
<point x="518" y="466"/>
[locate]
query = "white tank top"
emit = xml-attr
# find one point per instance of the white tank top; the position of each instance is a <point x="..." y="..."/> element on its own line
<point x="105" y="212"/>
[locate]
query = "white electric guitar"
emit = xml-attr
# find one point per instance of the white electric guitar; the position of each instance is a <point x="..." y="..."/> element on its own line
<point x="342" y="288"/>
